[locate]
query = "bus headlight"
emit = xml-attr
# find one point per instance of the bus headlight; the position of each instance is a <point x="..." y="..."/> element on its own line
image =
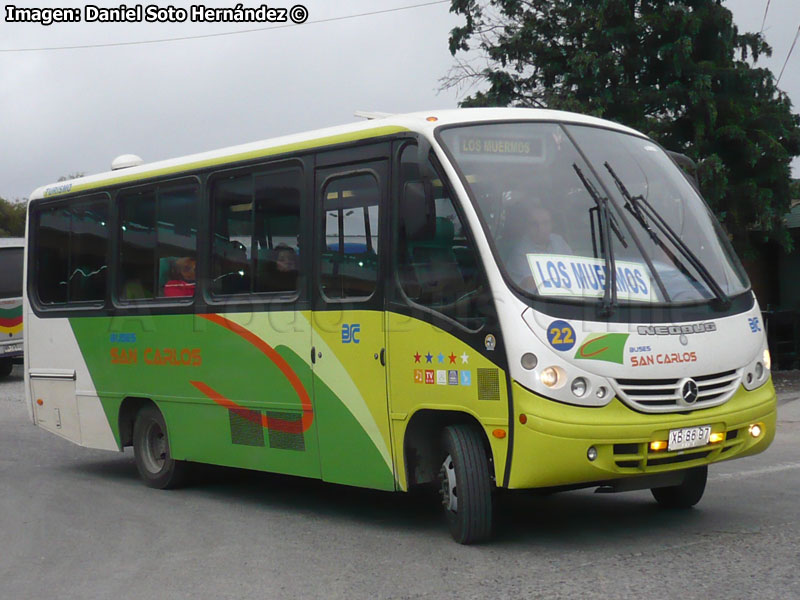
<point x="767" y="359"/>
<point x="552" y="377"/>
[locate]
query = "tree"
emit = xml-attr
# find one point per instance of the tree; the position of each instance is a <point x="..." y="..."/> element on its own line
<point x="677" y="70"/>
<point x="12" y="218"/>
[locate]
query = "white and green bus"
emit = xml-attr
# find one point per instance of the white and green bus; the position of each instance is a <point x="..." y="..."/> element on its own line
<point x="473" y="299"/>
<point x="11" y="259"/>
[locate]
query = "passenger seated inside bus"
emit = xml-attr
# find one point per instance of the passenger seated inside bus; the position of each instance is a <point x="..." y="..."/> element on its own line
<point x="182" y="278"/>
<point x="527" y="229"/>
<point x="280" y="272"/>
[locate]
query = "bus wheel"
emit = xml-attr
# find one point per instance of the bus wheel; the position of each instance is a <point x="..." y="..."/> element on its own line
<point x="6" y="365"/>
<point x="465" y="486"/>
<point x="685" y="495"/>
<point x="151" y="450"/>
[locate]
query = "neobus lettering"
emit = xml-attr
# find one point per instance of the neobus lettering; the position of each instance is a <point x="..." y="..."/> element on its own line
<point x="675" y="329"/>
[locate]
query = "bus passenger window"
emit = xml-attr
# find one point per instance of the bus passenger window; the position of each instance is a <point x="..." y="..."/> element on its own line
<point x="159" y="241"/>
<point x="52" y="254"/>
<point x="349" y="262"/>
<point x="71" y="252"/>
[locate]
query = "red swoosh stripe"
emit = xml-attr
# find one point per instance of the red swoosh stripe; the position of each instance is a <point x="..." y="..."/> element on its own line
<point x="280" y="362"/>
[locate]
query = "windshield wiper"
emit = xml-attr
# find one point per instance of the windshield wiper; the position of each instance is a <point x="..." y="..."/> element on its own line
<point x="640" y="208"/>
<point x="606" y="225"/>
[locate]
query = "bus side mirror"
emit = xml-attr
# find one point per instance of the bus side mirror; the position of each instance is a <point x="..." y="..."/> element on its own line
<point x="687" y="165"/>
<point x="416" y="210"/>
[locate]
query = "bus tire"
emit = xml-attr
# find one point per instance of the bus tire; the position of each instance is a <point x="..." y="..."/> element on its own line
<point x="465" y="485"/>
<point x="685" y="495"/>
<point x="151" y="451"/>
<point x="6" y="366"/>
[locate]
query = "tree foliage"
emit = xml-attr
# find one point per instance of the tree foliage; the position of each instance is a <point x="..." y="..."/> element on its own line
<point x="678" y="70"/>
<point x="12" y="218"/>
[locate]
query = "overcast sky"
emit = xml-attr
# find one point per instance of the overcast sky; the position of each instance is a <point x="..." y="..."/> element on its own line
<point x="65" y="111"/>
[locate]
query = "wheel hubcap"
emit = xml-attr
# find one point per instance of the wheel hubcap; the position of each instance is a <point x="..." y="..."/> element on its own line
<point x="448" y="491"/>
<point x="155" y="446"/>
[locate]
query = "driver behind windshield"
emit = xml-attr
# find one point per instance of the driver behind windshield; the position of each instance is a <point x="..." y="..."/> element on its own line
<point x="527" y="229"/>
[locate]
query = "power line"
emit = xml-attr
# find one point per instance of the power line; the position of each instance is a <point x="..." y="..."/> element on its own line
<point x="225" y="33"/>
<point x="796" y="35"/>
<point x="764" y="20"/>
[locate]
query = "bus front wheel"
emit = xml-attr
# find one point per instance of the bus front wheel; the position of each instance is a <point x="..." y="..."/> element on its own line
<point x="465" y="485"/>
<point x="151" y="451"/>
<point x="685" y="495"/>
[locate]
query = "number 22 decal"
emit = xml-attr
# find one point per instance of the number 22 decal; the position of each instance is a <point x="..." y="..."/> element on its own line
<point x="561" y="335"/>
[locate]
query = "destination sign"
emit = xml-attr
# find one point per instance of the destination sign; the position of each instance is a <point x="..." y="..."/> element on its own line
<point x="583" y="277"/>
<point x="532" y="147"/>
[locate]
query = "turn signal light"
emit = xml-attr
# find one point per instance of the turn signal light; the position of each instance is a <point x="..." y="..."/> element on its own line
<point x="658" y="446"/>
<point x="499" y="434"/>
<point x="39" y="401"/>
<point x="715" y="438"/>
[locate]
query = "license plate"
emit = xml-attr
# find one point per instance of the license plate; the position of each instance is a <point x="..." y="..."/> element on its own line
<point x="10" y="348"/>
<point x="688" y="437"/>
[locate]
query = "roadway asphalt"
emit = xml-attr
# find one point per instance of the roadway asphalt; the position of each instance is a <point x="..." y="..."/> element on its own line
<point x="77" y="523"/>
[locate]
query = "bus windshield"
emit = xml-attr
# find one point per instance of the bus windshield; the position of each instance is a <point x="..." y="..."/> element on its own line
<point x="571" y="208"/>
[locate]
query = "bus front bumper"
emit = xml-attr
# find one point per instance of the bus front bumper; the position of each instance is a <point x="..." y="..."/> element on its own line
<point x="552" y="448"/>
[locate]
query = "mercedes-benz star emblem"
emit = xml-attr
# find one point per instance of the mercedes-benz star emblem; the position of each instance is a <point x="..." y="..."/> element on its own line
<point x="689" y="392"/>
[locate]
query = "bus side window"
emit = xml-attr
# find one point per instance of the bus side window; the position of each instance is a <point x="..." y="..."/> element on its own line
<point x="72" y="250"/>
<point x="349" y="262"/>
<point x="159" y="241"/>
<point x="436" y="264"/>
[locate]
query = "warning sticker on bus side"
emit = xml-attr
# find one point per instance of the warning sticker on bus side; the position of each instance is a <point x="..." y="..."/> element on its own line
<point x="583" y="277"/>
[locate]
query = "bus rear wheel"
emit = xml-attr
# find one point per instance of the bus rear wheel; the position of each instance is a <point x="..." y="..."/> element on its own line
<point x="465" y="485"/>
<point x="685" y="495"/>
<point x="151" y="451"/>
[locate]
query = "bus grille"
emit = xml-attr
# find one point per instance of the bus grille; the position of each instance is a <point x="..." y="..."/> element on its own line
<point x="664" y="395"/>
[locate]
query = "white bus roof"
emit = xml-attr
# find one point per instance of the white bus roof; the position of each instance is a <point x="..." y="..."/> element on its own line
<point x="414" y="122"/>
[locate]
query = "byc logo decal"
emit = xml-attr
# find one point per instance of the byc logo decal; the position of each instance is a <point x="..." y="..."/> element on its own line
<point x="755" y="326"/>
<point x="350" y="332"/>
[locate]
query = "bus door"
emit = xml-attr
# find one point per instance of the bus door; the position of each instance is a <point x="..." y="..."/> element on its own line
<point x="348" y="337"/>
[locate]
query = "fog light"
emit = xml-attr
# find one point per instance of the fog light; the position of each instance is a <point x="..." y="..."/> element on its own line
<point x="549" y="377"/>
<point x="658" y="446"/>
<point x="767" y="359"/>
<point x="579" y="386"/>
<point x="759" y="370"/>
<point x="715" y="438"/>
<point x="601" y="392"/>
<point x="591" y="453"/>
<point x="529" y="361"/>
<point x="755" y="430"/>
